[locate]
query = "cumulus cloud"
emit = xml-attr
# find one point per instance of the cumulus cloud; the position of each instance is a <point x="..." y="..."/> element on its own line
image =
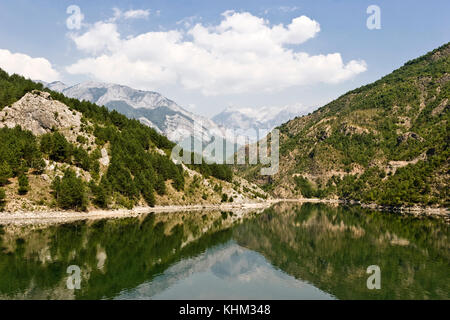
<point x="240" y="54"/>
<point x="100" y="37"/>
<point x="33" y="68"/>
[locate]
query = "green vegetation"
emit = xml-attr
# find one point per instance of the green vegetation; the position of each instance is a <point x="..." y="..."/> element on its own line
<point x="101" y="193"/>
<point x="2" y="199"/>
<point x="135" y="171"/>
<point x="224" y="197"/>
<point x="387" y="141"/>
<point x="219" y="171"/>
<point x="305" y="187"/>
<point x="14" y="87"/>
<point x="327" y="247"/>
<point x="222" y="172"/>
<point x="5" y="173"/>
<point x="137" y="250"/>
<point x="23" y="184"/>
<point x="56" y="147"/>
<point x="70" y="191"/>
<point x="19" y="151"/>
<point x="331" y="248"/>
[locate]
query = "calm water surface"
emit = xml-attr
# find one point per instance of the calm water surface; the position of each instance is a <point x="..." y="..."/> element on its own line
<point x="309" y="251"/>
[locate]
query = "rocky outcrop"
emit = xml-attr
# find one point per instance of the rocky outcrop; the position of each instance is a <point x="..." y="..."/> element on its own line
<point x="38" y="112"/>
<point x="407" y="136"/>
<point x="351" y="129"/>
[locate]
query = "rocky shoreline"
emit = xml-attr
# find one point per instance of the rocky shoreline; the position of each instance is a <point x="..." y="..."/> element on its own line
<point x="414" y="210"/>
<point x="54" y="216"/>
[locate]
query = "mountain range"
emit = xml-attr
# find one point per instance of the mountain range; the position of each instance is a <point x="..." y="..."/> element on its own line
<point x="172" y="120"/>
<point x="151" y="108"/>
<point x="247" y="120"/>
<point x="385" y="143"/>
<point x="58" y="152"/>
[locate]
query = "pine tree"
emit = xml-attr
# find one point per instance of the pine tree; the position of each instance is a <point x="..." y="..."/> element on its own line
<point x="23" y="184"/>
<point x="160" y="186"/>
<point x="149" y="196"/>
<point x="5" y="173"/>
<point x="100" y="193"/>
<point x="39" y="166"/>
<point x="56" y="146"/>
<point x="70" y="191"/>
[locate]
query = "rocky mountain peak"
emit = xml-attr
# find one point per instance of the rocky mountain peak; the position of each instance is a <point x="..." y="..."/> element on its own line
<point x="38" y="112"/>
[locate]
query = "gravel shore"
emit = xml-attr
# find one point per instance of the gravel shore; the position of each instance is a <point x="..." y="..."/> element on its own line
<point x="54" y="217"/>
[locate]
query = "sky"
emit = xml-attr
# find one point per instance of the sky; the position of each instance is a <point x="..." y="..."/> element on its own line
<point x="210" y="55"/>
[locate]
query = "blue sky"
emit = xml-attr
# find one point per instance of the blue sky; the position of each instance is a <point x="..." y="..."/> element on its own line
<point x="208" y="68"/>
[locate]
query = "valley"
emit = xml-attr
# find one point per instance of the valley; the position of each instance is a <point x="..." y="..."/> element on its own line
<point x="384" y="145"/>
<point x="224" y="158"/>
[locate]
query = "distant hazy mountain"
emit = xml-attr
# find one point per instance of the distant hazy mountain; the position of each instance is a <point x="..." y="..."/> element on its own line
<point x="266" y="118"/>
<point x="56" y="85"/>
<point x="151" y="108"/>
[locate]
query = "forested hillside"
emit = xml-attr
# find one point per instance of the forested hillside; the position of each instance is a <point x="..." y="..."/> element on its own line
<point x="70" y="154"/>
<point x="385" y="143"/>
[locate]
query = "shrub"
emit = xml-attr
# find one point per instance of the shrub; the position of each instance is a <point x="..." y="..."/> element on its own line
<point x="224" y="197"/>
<point x="304" y="186"/>
<point x="2" y="199"/>
<point x="23" y="184"/>
<point x="39" y="166"/>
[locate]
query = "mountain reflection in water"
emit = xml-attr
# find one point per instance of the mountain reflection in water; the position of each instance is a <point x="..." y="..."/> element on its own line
<point x="224" y="272"/>
<point x="289" y="251"/>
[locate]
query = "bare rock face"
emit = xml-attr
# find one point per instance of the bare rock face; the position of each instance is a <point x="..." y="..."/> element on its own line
<point x="104" y="160"/>
<point x="39" y="113"/>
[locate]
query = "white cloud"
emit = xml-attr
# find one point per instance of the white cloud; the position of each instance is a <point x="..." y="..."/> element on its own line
<point x="136" y="14"/>
<point x="33" y="68"/>
<point x="187" y="22"/>
<point x="130" y="14"/>
<point x="242" y="53"/>
<point x="117" y="13"/>
<point x="100" y="37"/>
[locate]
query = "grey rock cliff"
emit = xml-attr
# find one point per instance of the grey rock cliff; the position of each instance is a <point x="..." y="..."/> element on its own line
<point x="38" y="112"/>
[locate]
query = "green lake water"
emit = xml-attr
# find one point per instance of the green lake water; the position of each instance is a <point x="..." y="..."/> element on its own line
<point x="289" y="251"/>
